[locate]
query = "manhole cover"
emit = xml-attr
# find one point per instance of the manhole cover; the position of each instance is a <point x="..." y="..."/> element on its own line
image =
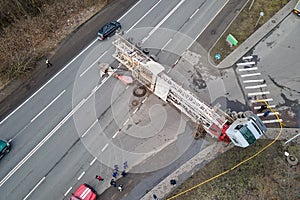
<point x="139" y="91"/>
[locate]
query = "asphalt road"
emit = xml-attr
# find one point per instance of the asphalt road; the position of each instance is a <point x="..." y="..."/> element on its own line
<point x="276" y="73"/>
<point x="68" y="130"/>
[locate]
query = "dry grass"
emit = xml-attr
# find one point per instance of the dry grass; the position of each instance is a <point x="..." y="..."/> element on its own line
<point x="27" y="40"/>
<point x="267" y="176"/>
<point x="244" y="25"/>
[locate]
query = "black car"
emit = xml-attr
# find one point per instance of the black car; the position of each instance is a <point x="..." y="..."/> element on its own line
<point x="4" y="148"/>
<point x="108" y="30"/>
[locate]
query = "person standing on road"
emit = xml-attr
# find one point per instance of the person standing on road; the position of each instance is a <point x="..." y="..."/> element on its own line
<point x="113" y="183"/>
<point x="120" y="188"/>
<point x="262" y="108"/>
<point x="266" y="114"/>
<point x="99" y="178"/>
<point x="48" y="63"/>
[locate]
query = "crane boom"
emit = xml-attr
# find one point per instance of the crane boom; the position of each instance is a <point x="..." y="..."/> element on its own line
<point x="151" y="74"/>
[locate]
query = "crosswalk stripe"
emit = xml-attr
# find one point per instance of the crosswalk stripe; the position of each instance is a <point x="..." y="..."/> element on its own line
<point x="247" y="75"/>
<point x="261" y="114"/>
<point x="258" y="93"/>
<point x="256" y="101"/>
<point x="256" y="86"/>
<point x="271" y="121"/>
<point x="253" y="81"/>
<point x="248" y="69"/>
<point x="258" y="107"/>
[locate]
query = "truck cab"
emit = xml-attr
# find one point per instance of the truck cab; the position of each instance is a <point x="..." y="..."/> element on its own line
<point x="245" y="131"/>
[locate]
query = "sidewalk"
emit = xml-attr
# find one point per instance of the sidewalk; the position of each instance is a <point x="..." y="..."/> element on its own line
<point x="257" y="36"/>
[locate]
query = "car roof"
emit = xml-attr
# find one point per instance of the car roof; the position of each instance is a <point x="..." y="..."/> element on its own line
<point x="3" y="144"/>
<point x="84" y="192"/>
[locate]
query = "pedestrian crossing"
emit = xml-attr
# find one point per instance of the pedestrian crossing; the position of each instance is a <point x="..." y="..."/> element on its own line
<point x="256" y="89"/>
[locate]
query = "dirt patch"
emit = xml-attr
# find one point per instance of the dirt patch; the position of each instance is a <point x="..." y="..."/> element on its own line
<point x="267" y="176"/>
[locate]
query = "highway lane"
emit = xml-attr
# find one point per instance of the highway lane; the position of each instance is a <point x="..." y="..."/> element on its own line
<point x="65" y="83"/>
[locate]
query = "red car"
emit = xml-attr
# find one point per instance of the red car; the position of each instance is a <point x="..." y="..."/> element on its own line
<point x="84" y="192"/>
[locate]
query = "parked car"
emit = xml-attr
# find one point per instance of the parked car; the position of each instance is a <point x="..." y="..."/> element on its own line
<point x="108" y="30"/>
<point x="4" y="147"/>
<point x="84" y="192"/>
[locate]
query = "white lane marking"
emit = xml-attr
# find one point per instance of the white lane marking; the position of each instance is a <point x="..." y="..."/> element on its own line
<point x="143" y="16"/>
<point x="125" y="122"/>
<point x="60" y="71"/>
<point x="258" y="93"/>
<point x="271" y="121"/>
<point x="40" y="144"/>
<point x="261" y="114"/>
<point x="127" y="87"/>
<point x="208" y="25"/>
<point x="248" y="69"/>
<point x="93" y="124"/>
<point x="163" y="20"/>
<point x="135" y="110"/>
<point x="254" y="74"/>
<point x="256" y="86"/>
<point x="169" y="70"/>
<point x="81" y="175"/>
<point x="34" y="188"/>
<point x="144" y="100"/>
<point x="67" y="192"/>
<point x="258" y="107"/>
<point x="104" y="147"/>
<point x="47" y="106"/>
<point x="166" y="44"/>
<point x="254" y="81"/>
<point x="256" y="101"/>
<point x="129" y="10"/>
<point x="115" y="135"/>
<point x="91" y="163"/>
<point x="194" y="13"/>
<point x="92" y="64"/>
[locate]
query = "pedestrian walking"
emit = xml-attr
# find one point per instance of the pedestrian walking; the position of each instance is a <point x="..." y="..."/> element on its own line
<point x="116" y="168"/>
<point x="99" y="178"/>
<point x="120" y="188"/>
<point x="125" y="165"/>
<point x="48" y="63"/>
<point x="155" y="197"/>
<point x="123" y="173"/>
<point x="114" y="174"/>
<point x="262" y="108"/>
<point x="113" y="183"/>
<point x="266" y="114"/>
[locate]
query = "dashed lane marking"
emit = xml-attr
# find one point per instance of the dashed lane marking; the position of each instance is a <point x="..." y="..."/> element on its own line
<point x="67" y="192"/>
<point x="104" y="147"/>
<point x="91" y="163"/>
<point x="81" y="175"/>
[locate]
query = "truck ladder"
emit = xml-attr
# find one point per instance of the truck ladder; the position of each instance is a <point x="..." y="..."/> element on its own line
<point x="151" y="75"/>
